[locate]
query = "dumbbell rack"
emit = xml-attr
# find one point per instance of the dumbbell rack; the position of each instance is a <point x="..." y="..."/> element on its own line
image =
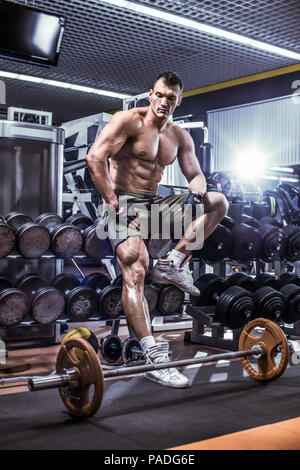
<point x="203" y="317"/>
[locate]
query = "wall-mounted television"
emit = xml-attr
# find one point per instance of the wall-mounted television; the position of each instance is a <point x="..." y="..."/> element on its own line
<point x="29" y="34"/>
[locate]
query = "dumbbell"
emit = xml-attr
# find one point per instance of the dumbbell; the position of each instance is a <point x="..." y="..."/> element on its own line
<point x="47" y="303"/>
<point x="246" y="240"/>
<point x="66" y="239"/>
<point x="32" y="239"/>
<point x="292" y="238"/>
<point x="234" y="306"/>
<point x="217" y="247"/>
<point x="81" y="301"/>
<point x="7" y="238"/>
<point x="151" y="291"/>
<point x="268" y="302"/>
<point x="272" y="238"/>
<point x="93" y="245"/>
<point x="14" y="304"/>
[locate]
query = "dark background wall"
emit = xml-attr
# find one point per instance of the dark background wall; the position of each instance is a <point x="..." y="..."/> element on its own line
<point x="198" y="105"/>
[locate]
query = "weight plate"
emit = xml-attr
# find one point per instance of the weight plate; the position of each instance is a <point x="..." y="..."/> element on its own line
<point x="268" y="303"/>
<point x="48" y="305"/>
<point x="7" y="240"/>
<point x="267" y="279"/>
<point x="274" y="359"/>
<point x="81" y="332"/>
<point x="151" y="294"/>
<point x="242" y="280"/>
<point x="289" y="278"/>
<point x="235" y="307"/>
<point x="210" y="287"/>
<point x="246" y="243"/>
<point x="217" y="246"/>
<point x="33" y="240"/>
<point x="14" y="306"/>
<point x="131" y="351"/>
<point x="292" y="245"/>
<point x="170" y="300"/>
<point x="65" y="283"/>
<point x="291" y="298"/>
<point x="79" y="402"/>
<point x="110" y="303"/>
<point x="96" y="281"/>
<point x="30" y="283"/>
<point x="82" y="303"/>
<point x="95" y="247"/>
<point x="111" y="348"/>
<point x="16" y="219"/>
<point x="49" y="220"/>
<point x="80" y="221"/>
<point x="66" y="241"/>
<point x="273" y="242"/>
<point x="4" y="283"/>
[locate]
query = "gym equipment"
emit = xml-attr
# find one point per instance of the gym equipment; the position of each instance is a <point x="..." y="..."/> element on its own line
<point x="272" y="238"/>
<point x="289" y="278"/>
<point x="32" y="239"/>
<point x="291" y="299"/>
<point x="110" y="302"/>
<point x="170" y="300"/>
<point x="81" y="332"/>
<point x="66" y="239"/>
<point x="111" y="348"/>
<point x="96" y="281"/>
<point x="234" y="306"/>
<point x="268" y="302"/>
<point x="95" y="247"/>
<point x="47" y="303"/>
<point x="81" y="301"/>
<point x="131" y="350"/>
<point x="267" y="279"/>
<point x="292" y="246"/>
<point x="7" y="238"/>
<point x="14" y="304"/>
<point x="246" y="240"/>
<point x="217" y="246"/>
<point x="263" y="351"/>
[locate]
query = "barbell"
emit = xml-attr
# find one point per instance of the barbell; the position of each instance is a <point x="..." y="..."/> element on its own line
<point x="80" y="378"/>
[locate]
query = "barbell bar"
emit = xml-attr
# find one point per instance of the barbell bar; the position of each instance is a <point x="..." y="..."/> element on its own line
<point x="75" y="376"/>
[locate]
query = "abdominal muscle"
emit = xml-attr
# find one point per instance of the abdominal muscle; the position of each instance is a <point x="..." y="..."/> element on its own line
<point x="134" y="174"/>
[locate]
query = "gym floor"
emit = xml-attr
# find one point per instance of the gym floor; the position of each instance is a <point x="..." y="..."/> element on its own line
<point x="283" y="434"/>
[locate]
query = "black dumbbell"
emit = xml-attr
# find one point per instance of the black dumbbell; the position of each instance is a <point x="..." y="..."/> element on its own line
<point x="217" y="247"/>
<point x="81" y="301"/>
<point x="32" y="239"/>
<point x="7" y="238"/>
<point x="110" y="301"/>
<point x="246" y="240"/>
<point x="292" y="246"/>
<point x="272" y="238"/>
<point x="14" y="304"/>
<point x="47" y="303"/>
<point x="66" y="239"/>
<point x="234" y="306"/>
<point x="111" y="348"/>
<point x="268" y="302"/>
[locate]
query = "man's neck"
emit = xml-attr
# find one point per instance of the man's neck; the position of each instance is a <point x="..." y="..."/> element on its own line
<point x="159" y="123"/>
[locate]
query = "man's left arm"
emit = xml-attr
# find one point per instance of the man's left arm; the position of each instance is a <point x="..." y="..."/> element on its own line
<point x="189" y="163"/>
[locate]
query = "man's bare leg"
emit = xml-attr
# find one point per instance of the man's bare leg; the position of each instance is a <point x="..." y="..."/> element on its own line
<point x="132" y="257"/>
<point x="133" y="260"/>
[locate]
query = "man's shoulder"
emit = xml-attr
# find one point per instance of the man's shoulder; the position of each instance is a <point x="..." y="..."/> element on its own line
<point x="181" y="133"/>
<point x="132" y="117"/>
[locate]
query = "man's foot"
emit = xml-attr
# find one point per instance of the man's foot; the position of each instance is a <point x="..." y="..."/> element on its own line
<point x="168" y="377"/>
<point x="166" y="272"/>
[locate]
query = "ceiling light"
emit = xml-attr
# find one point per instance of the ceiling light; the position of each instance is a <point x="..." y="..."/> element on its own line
<point x="70" y="86"/>
<point x="204" y="28"/>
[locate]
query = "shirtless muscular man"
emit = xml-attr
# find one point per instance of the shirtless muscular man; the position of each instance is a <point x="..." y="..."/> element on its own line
<point x="140" y="143"/>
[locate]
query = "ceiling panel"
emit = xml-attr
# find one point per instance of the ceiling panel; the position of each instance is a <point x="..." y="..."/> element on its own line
<point x="111" y="48"/>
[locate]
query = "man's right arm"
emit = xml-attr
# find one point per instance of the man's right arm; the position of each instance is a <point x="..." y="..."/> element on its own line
<point x="123" y="124"/>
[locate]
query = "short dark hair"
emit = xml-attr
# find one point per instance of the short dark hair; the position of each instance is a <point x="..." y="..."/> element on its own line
<point x="170" y="78"/>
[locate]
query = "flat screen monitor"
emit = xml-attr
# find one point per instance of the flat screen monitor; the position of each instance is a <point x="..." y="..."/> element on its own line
<point x="29" y="34"/>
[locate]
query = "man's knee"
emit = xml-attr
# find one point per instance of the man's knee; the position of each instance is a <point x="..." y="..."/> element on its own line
<point x="220" y="205"/>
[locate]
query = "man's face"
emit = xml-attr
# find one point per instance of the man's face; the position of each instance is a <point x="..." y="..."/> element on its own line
<point x="164" y="99"/>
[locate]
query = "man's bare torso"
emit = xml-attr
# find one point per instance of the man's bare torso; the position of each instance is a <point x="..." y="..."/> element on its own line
<point x="140" y="163"/>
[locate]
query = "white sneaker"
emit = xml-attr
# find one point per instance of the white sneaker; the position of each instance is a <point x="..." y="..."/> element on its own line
<point x="165" y="272"/>
<point x="168" y="377"/>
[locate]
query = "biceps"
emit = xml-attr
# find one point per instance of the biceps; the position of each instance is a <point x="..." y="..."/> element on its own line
<point x="189" y="166"/>
<point x="108" y="144"/>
